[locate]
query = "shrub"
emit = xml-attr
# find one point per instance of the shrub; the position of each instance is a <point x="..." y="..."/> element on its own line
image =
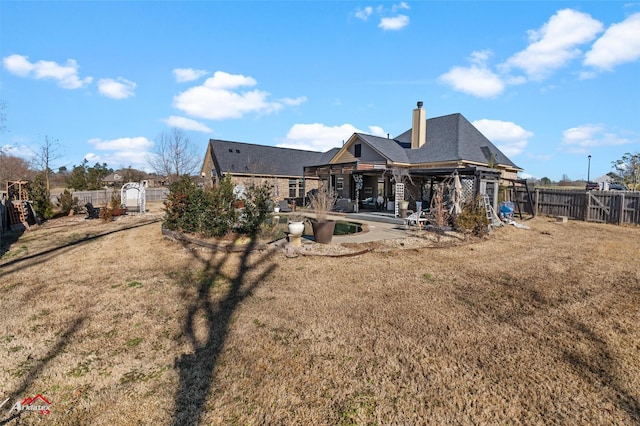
<point x="473" y="219"/>
<point x="116" y="200"/>
<point x="217" y="215"/>
<point x="67" y="202"/>
<point x="189" y="208"/>
<point x="256" y="208"/>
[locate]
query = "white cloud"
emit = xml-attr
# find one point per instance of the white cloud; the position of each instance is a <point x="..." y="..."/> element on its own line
<point x="223" y="80"/>
<point x="66" y="75"/>
<point x="577" y="139"/>
<point x="619" y="44"/>
<point x="294" y="102"/>
<point x="121" y="152"/>
<point x="377" y="131"/>
<point x="509" y="137"/>
<point x="475" y="80"/>
<point x="399" y="6"/>
<point x="387" y="23"/>
<point x="121" y="159"/>
<point x="21" y="151"/>
<point x="555" y="44"/>
<point x="394" y="23"/>
<point x="523" y="175"/>
<point x="220" y="97"/>
<point x="318" y="137"/>
<point x="187" y="124"/>
<point x="119" y="88"/>
<point x="188" y="74"/>
<point x="364" y="13"/>
<point x="136" y="144"/>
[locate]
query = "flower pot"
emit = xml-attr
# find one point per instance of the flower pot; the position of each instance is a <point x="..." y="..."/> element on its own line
<point x="296" y="228"/>
<point x="403" y="206"/>
<point x="323" y="231"/>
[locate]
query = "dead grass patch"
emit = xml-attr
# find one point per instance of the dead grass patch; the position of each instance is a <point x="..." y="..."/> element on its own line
<point x="531" y="326"/>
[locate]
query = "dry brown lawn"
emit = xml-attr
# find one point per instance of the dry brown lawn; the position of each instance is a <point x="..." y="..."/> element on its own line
<point x="116" y="325"/>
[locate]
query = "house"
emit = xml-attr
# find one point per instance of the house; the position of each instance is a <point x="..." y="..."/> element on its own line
<point x="428" y="153"/>
<point x="247" y="164"/>
<point x="366" y="166"/>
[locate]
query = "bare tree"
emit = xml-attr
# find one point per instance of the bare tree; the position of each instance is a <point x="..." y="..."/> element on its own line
<point x="12" y="168"/>
<point x="173" y="155"/>
<point x="47" y="153"/>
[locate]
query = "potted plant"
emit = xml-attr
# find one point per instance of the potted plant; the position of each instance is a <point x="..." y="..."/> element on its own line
<point x="296" y="224"/>
<point x="116" y="205"/>
<point x="322" y="202"/>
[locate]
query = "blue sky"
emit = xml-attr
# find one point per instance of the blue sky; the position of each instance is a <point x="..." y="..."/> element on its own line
<point x="548" y="82"/>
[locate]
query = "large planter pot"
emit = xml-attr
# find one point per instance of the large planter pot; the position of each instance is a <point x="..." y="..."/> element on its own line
<point x="296" y="228"/>
<point x="402" y="208"/>
<point x="323" y="231"/>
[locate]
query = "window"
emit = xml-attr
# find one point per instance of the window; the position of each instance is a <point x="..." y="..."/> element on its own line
<point x="296" y="188"/>
<point x="293" y="188"/>
<point x="357" y="150"/>
<point x="339" y="184"/>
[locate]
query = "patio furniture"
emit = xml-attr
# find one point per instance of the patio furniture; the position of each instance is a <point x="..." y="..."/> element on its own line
<point x="418" y="218"/>
<point x="284" y="206"/>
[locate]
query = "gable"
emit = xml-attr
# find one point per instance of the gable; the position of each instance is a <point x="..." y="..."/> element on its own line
<point x="358" y="148"/>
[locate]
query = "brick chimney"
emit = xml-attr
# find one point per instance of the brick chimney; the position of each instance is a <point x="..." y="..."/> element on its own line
<point x="419" y="127"/>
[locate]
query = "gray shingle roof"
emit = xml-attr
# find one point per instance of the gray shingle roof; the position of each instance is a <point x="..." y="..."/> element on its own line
<point x="453" y="138"/>
<point x="240" y="157"/>
<point x="389" y="148"/>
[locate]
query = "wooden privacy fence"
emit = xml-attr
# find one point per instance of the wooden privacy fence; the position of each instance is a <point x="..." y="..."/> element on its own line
<point x="617" y="207"/>
<point x="102" y="197"/>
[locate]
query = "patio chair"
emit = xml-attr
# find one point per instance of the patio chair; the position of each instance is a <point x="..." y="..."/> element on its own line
<point x="92" y="212"/>
<point x="284" y="206"/>
<point x="416" y="219"/>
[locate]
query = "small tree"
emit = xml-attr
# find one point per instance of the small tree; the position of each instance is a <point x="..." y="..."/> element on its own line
<point x="39" y="195"/>
<point x="473" y="219"/>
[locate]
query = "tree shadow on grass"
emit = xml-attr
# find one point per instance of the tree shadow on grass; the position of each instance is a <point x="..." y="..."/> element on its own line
<point x="36" y="367"/>
<point x="196" y="370"/>
<point x="8" y="238"/>
<point x="45" y="255"/>
<point x="595" y="365"/>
